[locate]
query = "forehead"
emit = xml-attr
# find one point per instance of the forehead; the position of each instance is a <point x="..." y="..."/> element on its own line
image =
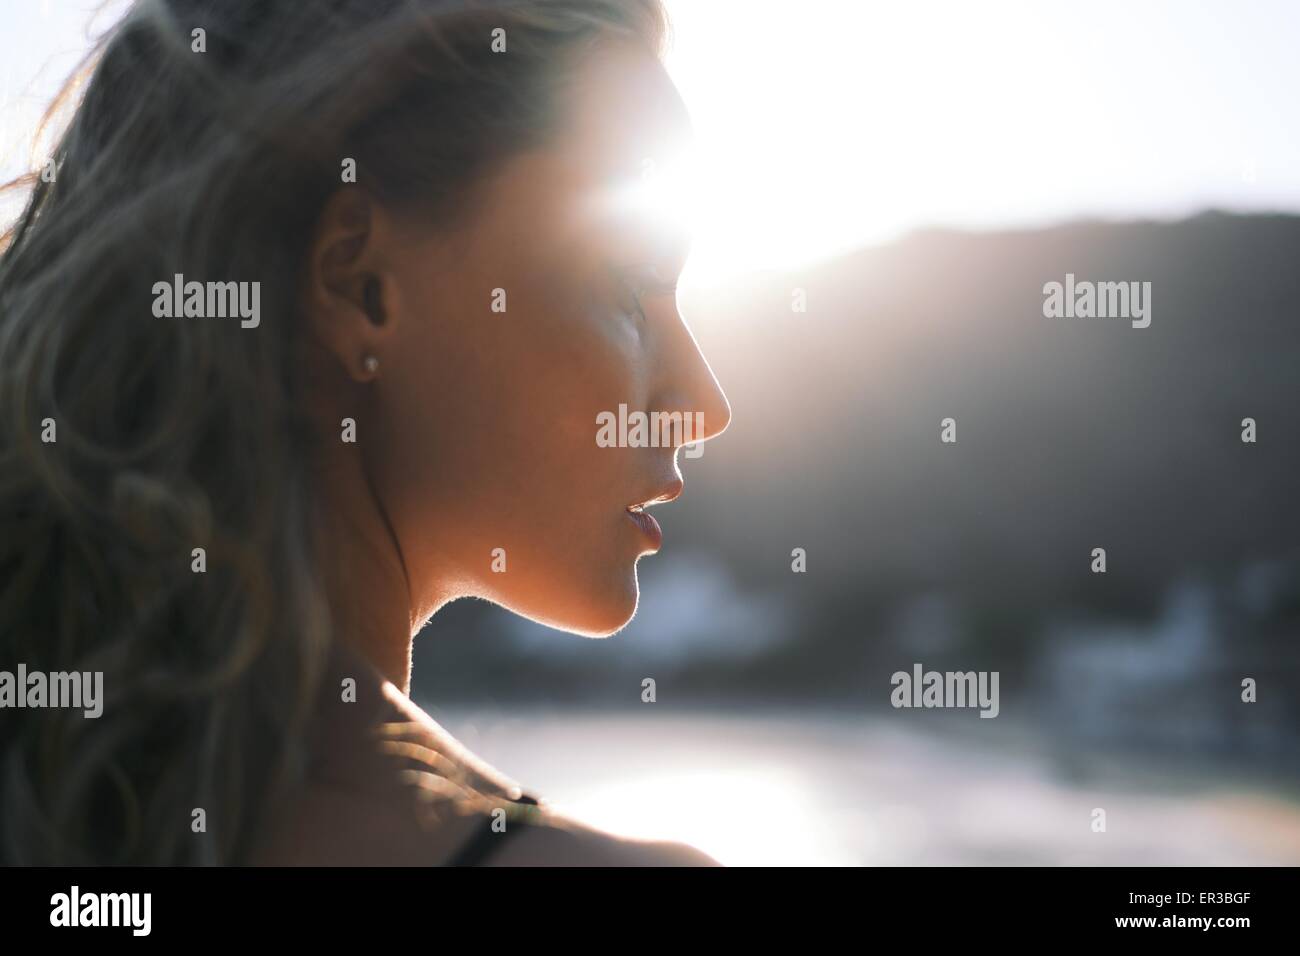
<point x="624" y="132"/>
<point x="620" y="109"/>
<point x="564" y="206"/>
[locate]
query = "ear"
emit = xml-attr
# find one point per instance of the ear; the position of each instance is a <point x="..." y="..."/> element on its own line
<point x="349" y="289"/>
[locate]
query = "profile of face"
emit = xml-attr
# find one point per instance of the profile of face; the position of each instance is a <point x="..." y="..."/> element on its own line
<point x="502" y="339"/>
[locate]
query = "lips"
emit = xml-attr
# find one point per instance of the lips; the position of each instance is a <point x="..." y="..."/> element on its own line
<point x="648" y="527"/>
<point x="646" y="522"/>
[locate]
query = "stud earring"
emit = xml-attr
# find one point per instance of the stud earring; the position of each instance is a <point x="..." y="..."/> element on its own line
<point x="371" y="364"/>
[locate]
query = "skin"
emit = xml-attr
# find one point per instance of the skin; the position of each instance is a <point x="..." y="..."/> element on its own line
<point x="477" y="430"/>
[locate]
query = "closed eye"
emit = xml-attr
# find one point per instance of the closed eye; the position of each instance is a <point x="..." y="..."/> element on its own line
<point x="645" y="280"/>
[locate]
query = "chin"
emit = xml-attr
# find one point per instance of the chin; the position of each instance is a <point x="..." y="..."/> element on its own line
<point x="600" y="606"/>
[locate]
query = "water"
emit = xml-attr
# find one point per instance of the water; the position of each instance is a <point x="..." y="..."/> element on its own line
<point x="845" y="789"/>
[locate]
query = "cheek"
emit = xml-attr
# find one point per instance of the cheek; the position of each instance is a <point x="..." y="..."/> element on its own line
<point x="542" y="487"/>
<point x="562" y="367"/>
<point x="495" y="441"/>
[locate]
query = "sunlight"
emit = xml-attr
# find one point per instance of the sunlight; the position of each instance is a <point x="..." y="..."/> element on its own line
<point x="667" y="196"/>
<point x="745" y="817"/>
<point x="827" y="125"/>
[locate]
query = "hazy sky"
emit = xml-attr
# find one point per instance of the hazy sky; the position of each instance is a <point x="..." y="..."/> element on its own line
<point x="829" y="123"/>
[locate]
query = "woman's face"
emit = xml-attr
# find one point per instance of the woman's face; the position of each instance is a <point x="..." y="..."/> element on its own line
<point x="481" y="422"/>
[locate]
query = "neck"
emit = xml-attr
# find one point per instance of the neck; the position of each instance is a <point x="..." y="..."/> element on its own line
<point x="366" y="581"/>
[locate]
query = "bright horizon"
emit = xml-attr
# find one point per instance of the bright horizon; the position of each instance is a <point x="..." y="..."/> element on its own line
<point x="839" y="126"/>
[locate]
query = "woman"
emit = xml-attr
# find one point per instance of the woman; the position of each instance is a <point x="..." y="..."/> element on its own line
<point x="307" y="337"/>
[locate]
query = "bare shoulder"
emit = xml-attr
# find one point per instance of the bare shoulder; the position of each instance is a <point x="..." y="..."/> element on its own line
<point x="396" y="789"/>
<point x="347" y="828"/>
<point x="574" y="844"/>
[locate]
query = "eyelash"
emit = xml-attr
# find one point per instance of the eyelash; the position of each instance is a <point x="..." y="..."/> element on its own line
<point x="656" y="286"/>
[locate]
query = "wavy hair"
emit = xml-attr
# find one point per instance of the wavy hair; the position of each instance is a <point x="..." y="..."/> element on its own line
<point x="172" y="435"/>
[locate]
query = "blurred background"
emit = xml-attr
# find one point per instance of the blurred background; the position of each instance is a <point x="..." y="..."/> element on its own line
<point x="917" y="172"/>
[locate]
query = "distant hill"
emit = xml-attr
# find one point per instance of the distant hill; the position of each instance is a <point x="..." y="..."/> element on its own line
<point x="1072" y="433"/>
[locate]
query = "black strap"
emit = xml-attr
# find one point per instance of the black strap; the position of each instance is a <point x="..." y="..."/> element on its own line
<point x="481" y="845"/>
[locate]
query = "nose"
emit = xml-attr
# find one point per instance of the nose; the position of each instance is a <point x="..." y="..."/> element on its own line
<point x="687" y="384"/>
